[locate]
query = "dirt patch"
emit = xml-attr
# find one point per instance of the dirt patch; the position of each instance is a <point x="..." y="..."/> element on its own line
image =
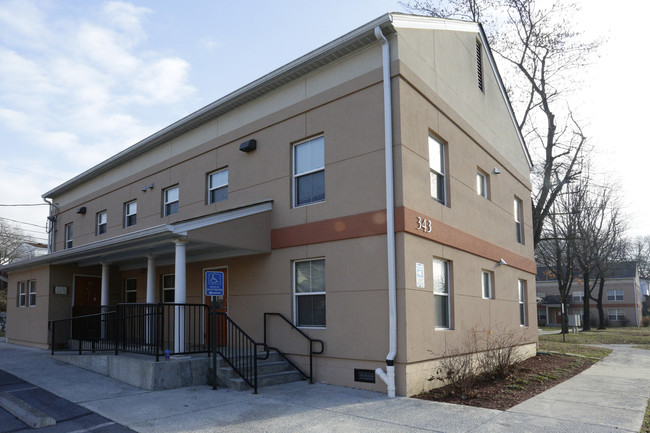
<point x="529" y="378"/>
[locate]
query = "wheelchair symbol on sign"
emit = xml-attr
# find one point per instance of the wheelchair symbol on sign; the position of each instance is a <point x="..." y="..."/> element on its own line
<point x="214" y="283"/>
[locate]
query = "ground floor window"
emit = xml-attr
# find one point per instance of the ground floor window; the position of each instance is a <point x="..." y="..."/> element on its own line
<point x="22" y="294"/>
<point x="32" y="292"/>
<point x="168" y="288"/>
<point x="615" y="314"/>
<point x="541" y="314"/>
<point x="522" y="303"/>
<point x="441" y="310"/>
<point x="309" y="292"/>
<point x="131" y="290"/>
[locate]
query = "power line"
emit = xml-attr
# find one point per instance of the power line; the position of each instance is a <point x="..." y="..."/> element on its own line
<point x="24" y="204"/>
<point x="22" y="222"/>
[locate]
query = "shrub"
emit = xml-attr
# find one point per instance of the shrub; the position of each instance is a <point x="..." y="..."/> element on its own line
<point x="645" y="321"/>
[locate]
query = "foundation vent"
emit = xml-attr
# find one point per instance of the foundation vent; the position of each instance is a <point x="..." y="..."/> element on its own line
<point x="367" y="376"/>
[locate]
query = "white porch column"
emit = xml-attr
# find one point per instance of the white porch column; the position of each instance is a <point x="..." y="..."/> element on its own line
<point x="151" y="280"/>
<point x="180" y="295"/>
<point x="104" y="296"/>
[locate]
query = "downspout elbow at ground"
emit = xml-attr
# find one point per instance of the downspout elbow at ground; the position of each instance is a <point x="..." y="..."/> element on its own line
<point x="389" y="376"/>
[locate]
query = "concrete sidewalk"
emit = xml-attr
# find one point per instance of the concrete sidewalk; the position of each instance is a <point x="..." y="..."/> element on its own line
<point x="610" y="396"/>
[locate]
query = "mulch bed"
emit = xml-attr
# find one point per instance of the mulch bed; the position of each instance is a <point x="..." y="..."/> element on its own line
<point x="528" y="378"/>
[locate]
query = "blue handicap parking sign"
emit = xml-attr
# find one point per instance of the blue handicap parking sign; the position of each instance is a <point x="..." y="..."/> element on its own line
<point x="214" y="283"/>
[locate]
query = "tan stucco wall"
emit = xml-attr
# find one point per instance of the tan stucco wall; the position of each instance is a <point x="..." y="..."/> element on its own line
<point x="28" y="325"/>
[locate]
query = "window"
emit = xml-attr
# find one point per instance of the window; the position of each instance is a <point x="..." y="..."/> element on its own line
<point x="518" y="221"/>
<point x="170" y="198"/>
<point x="168" y="285"/>
<point x="615" y="295"/>
<point x="441" y="310"/>
<point x="131" y="290"/>
<point x="522" y="303"/>
<point x="482" y="184"/>
<point x="309" y="291"/>
<point x="32" y="292"/>
<point x="486" y="284"/>
<point x="615" y="314"/>
<point x="68" y="236"/>
<point x="541" y="314"/>
<point x="218" y="186"/>
<point x="578" y="296"/>
<point x="130" y="213"/>
<point x="101" y="223"/>
<point x="22" y="294"/>
<point x="309" y="172"/>
<point x="479" y="65"/>
<point x="437" y="169"/>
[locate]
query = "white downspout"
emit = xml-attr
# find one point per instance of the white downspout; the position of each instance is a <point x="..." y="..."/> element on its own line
<point x="389" y="376"/>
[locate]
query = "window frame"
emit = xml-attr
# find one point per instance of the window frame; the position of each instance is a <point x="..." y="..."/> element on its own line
<point x="446" y="293"/>
<point x="164" y="289"/>
<point x="580" y="296"/>
<point x="101" y="227"/>
<point x="168" y="205"/>
<point x="519" y="219"/>
<point x="295" y="175"/>
<point x="490" y="284"/>
<point x="440" y="175"/>
<point x="613" y="295"/>
<point x="482" y="184"/>
<point x="523" y="295"/>
<point x="130" y="219"/>
<point x="541" y="316"/>
<point x="617" y="317"/>
<point x="297" y="294"/>
<point x="31" y="293"/>
<point x="69" y="236"/>
<point x="128" y="290"/>
<point x="212" y="188"/>
<point x="21" y="299"/>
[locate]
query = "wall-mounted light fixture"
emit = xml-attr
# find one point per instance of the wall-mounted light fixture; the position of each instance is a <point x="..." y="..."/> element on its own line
<point x="497" y="171"/>
<point x="503" y="262"/>
<point x="248" y="146"/>
<point x="82" y="210"/>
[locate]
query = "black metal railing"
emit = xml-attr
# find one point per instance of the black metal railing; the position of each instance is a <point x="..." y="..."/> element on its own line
<point x="237" y="348"/>
<point x="310" y="340"/>
<point x="89" y="332"/>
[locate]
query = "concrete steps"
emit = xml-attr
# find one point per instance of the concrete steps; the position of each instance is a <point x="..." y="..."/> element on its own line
<point x="272" y="371"/>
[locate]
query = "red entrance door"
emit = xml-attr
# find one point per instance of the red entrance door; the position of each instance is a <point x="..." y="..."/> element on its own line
<point x="222" y="307"/>
<point x="87" y="293"/>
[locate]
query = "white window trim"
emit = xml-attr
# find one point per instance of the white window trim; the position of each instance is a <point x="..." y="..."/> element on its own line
<point x="618" y="317"/>
<point x="214" y="188"/>
<point x="31" y="285"/>
<point x="443" y="167"/>
<point x="447" y="295"/>
<point x="295" y="175"/>
<point x="490" y="281"/>
<point x="519" y="223"/>
<point x="615" y="295"/>
<point x="127" y="214"/>
<point x="482" y="184"/>
<point x="69" y="237"/>
<point x="167" y="203"/>
<point x="100" y="224"/>
<point x="22" y="294"/>
<point x="296" y="295"/>
<point x="521" y="285"/>
<point x="162" y="283"/>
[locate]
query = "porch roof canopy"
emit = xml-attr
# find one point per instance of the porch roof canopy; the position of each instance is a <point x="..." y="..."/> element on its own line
<point x="235" y="232"/>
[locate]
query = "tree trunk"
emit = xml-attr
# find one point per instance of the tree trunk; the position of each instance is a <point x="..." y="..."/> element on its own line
<point x="601" y="312"/>
<point x="565" y="316"/>
<point x="586" y="316"/>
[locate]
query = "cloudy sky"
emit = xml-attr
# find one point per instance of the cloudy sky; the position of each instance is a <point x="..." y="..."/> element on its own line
<point x="80" y="81"/>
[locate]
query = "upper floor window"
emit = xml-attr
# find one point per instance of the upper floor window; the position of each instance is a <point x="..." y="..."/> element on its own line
<point x="577" y="296"/>
<point x="309" y="172"/>
<point x="218" y="186"/>
<point x="518" y="220"/>
<point x="486" y="284"/>
<point x="130" y="213"/>
<point x="131" y="290"/>
<point x="482" y="184"/>
<point x="68" y="236"/>
<point x="170" y="199"/>
<point x="615" y="295"/>
<point x="522" y="303"/>
<point x="437" y="169"/>
<point x="479" y="65"/>
<point x="441" y="304"/>
<point x="22" y="294"/>
<point x="32" y="292"/>
<point x="309" y="292"/>
<point x="101" y="223"/>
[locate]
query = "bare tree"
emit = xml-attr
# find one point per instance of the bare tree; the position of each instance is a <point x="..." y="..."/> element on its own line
<point x="540" y="52"/>
<point x="638" y="250"/>
<point x="12" y="240"/>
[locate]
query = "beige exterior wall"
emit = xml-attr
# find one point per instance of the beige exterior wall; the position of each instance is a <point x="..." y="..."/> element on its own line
<point x="434" y="92"/>
<point x="28" y="324"/>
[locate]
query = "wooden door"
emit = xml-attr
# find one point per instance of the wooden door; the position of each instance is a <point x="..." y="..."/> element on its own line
<point x="87" y="300"/>
<point x="222" y="307"/>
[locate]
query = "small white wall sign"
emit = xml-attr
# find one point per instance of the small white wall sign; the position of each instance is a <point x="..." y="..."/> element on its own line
<point x="419" y="275"/>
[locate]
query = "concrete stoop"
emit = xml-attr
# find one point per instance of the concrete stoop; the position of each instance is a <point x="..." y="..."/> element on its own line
<point x="272" y="371"/>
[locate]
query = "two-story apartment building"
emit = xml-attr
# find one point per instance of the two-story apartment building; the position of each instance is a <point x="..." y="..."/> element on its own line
<point x="622" y="297"/>
<point x="375" y="191"/>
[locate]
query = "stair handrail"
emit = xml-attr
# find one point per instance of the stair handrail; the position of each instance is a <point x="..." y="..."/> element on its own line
<point x="312" y="352"/>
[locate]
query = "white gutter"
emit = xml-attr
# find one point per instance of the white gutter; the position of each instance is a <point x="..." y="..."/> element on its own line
<point x="389" y="376"/>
